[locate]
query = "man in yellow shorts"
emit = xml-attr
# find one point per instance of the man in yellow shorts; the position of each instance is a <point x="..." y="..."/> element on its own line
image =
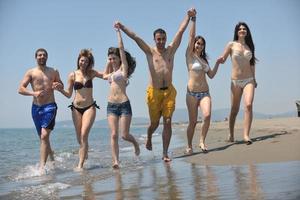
<point x="161" y="102"/>
<point x="160" y="94"/>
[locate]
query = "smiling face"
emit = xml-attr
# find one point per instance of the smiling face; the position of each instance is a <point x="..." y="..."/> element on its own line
<point x="160" y="40"/>
<point x="41" y="58"/>
<point x="83" y="62"/>
<point x="114" y="60"/>
<point x="199" y="45"/>
<point x="242" y="31"/>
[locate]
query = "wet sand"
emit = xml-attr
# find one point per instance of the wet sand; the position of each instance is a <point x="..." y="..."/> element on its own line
<point x="274" y="140"/>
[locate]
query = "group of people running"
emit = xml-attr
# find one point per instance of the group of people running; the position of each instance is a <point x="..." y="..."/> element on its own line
<point x="161" y="93"/>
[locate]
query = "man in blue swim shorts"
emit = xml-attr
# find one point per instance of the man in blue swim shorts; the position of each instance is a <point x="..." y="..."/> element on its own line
<point x="43" y="80"/>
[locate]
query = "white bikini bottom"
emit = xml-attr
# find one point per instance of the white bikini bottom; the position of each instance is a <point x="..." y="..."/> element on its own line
<point x="243" y="82"/>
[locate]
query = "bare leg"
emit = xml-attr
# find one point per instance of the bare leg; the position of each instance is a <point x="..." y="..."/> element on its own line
<point x="50" y="153"/>
<point x="248" y="102"/>
<point x="192" y="105"/>
<point x="152" y="127"/>
<point x="44" y="147"/>
<point x="88" y="119"/>
<point x="205" y="105"/>
<point x="77" y="121"/>
<point x="113" y="122"/>
<point x="125" y="126"/>
<point x="236" y="94"/>
<point x="166" y="137"/>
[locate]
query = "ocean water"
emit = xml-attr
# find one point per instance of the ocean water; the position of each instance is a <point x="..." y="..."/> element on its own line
<point x="19" y="159"/>
<point x="146" y="177"/>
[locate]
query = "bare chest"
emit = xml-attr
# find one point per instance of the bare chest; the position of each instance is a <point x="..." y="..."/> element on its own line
<point x="42" y="80"/>
<point x="162" y="63"/>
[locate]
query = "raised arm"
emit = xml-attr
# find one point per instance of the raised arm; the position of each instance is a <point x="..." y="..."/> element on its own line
<point x="178" y="36"/>
<point x="192" y="34"/>
<point x="140" y="42"/>
<point x="124" y="65"/>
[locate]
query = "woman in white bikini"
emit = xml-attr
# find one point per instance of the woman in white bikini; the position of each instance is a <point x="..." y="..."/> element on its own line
<point x="197" y="88"/>
<point x="243" y="83"/>
<point x="119" y="68"/>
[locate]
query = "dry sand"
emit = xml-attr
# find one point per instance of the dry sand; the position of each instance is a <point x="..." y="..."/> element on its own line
<point x="274" y="140"/>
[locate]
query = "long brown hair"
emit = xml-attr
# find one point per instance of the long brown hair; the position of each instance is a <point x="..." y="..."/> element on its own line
<point x="130" y="60"/>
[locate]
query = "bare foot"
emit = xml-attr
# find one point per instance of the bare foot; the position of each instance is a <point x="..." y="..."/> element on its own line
<point x="247" y="140"/>
<point x="203" y="147"/>
<point x="115" y="166"/>
<point x="78" y="169"/>
<point x="166" y="159"/>
<point x="230" y="138"/>
<point x="189" y="151"/>
<point x="149" y="144"/>
<point x="42" y="171"/>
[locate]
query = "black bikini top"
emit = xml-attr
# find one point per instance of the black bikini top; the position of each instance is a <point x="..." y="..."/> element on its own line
<point x="78" y="85"/>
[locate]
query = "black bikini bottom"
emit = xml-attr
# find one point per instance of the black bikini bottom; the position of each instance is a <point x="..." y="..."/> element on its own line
<point x="82" y="110"/>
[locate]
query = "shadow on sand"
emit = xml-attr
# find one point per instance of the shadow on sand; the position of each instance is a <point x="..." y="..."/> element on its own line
<point x="256" y="139"/>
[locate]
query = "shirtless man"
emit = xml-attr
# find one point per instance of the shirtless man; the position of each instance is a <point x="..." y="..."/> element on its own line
<point x="41" y="79"/>
<point x="161" y="93"/>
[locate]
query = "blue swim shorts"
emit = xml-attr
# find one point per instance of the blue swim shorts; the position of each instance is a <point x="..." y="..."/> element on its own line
<point x="44" y="116"/>
<point x="119" y="109"/>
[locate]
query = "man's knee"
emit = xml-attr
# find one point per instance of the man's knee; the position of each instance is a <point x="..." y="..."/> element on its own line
<point x="167" y="121"/>
<point x="45" y="134"/>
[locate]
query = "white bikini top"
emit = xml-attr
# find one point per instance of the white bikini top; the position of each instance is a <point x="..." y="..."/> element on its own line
<point x="199" y="65"/>
<point x="116" y="76"/>
<point x="242" y="55"/>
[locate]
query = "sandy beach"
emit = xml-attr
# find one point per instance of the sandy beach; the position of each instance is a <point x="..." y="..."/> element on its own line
<point x="274" y="140"/>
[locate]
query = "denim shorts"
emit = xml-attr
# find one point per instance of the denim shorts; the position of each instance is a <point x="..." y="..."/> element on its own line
<point x="119" y="109"/>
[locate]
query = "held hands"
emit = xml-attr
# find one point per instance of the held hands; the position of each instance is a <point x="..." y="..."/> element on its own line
<point x="57" y="86"/>
<point x="118" y="25"/>
<point x="192" y="12"/>
<point x="220" y="60"/>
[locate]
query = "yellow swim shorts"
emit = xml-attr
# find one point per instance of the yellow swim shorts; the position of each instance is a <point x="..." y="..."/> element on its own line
<point x="161" y="102"/>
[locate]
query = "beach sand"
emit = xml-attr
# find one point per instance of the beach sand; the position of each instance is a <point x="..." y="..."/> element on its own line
<point x="274" y="140"/>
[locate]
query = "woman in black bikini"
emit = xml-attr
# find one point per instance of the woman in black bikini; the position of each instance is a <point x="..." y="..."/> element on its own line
<point x="83" y="106"/>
